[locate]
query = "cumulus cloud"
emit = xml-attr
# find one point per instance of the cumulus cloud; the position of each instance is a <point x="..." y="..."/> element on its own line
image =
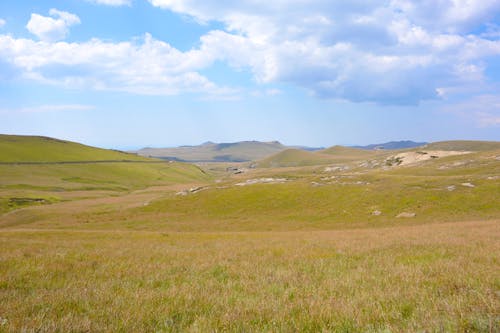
<point x="2" y="22"/>
<point x="392" y="52"/>
<point x="142" y="66"/>
<point x="115" y="3"/>
<point x="52" y="28"/>
<point x="396" y="52"/>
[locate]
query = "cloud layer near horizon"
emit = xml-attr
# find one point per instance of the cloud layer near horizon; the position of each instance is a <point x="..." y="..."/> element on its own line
<point x="401" y="52"/>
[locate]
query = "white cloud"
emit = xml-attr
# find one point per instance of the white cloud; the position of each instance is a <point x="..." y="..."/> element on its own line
<point x="112" y="2"/>
<point x="393" y="52"/>
<point x="2" y="22"/>
<point x="143" y="66"/>
<point x="53" y="28"/>
<point x="400" y="52"/>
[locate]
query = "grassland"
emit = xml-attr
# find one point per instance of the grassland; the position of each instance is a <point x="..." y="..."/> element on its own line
<point x="33" y="149"/>
<point x="166" y="247"/>
<point x="39" y="170"/>
<point x="433" y="278"/>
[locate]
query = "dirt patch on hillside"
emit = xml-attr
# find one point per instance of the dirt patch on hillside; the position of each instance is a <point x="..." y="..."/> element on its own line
<point x="421" y="156"/>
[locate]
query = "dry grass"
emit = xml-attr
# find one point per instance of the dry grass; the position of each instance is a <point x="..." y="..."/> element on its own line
<point x="439" y="277"/>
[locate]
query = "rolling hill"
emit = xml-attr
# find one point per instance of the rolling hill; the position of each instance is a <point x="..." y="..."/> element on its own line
<point x="20" y="148"/>
<point x="293" y="158"/>
<point x="463" y="145"/>
<point x="43" y="170"/>
<point x="216" y="152"/>
<point x="335" y="154"/>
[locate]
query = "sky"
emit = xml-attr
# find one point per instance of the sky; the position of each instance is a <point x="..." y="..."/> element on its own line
<point x="128" y="74"/>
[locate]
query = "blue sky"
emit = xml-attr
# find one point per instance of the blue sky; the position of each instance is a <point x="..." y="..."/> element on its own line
<point x="134" y="73"/>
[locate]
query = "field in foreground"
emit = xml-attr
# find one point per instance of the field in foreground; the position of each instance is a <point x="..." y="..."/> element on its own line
<point x="437" y="277"/>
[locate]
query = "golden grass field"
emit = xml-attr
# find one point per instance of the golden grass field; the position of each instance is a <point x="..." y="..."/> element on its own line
<point x="432" y="278"/>
<point x="169" y="247"/>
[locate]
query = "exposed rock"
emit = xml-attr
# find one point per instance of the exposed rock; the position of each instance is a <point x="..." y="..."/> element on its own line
<point x="468" y="185"/>
<point x="336" y="168"/>
<point x="262" y="180"/>
<point x="416" y="157"/>
<point x="195" y="189"/>
<point x="376" y="212"/>
<point x="451" y="188"/>
<point x="406" y="215"/>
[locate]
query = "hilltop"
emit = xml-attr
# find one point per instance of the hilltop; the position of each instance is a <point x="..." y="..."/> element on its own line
<point x="24" y="149"/>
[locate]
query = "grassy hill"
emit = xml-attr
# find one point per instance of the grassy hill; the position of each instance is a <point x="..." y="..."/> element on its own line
<point x="462" y="145"/>
<point x="348" y="153"/>
<point x="17" y="148"/>
<point x="336" y="154"/>
<point x="293" y="158"/>
<point x="217" y="152"/>
<point x="41" y="170"/>
<point x="453" y="188"/>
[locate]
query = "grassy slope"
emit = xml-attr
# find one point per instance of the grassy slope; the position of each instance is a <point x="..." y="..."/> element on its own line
<point x="313" y="199"/>
<point x="349" y="153"/>
<point x="16" y="148"/>
<point x="340" y="202"/>
<point x="294" y="157"/>
<point x="462" y="145"/>
<point x="26" y="184"/>
<point x="335" y="154"/>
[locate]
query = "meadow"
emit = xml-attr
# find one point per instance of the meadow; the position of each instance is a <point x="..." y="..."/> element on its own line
<point x="149" y="246"/>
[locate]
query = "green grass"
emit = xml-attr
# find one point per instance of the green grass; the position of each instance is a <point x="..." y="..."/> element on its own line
<point x="17" y="148"/>
<point x="294" y="158"/>
<point x="36" y="169"/>
<point x="101" y="179"/>
<point x="464" y="145"/>
<point x="310" y="200"/>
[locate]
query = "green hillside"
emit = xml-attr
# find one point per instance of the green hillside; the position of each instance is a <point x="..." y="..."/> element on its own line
<point x="18" y="148"/>
<point x="336" y="154"/>
<point x="462" y="145"/>
<point x="40" y="170"/>
<point x="347" y="153"/>
<point x="294" y="158"/>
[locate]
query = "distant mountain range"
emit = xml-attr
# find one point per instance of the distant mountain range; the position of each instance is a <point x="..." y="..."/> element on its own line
<point x="216" y="152"/>
<point x="245" y="151"/>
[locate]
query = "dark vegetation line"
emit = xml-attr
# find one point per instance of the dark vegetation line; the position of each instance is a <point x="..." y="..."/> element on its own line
<point x="79" y="162"/>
